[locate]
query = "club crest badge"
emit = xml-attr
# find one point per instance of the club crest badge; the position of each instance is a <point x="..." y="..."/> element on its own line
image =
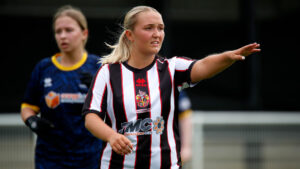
<point x="142" y="99"/>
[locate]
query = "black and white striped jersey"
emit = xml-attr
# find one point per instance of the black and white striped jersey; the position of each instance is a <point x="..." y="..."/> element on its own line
<point x="142" y="105"/>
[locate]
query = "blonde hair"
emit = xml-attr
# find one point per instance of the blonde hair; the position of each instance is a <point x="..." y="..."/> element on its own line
<point x="74" y="13"/>
<point x="121" y="50"/>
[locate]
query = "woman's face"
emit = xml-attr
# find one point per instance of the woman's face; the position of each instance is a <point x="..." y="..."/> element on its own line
<point x="148" y="33"/>
<point x="68" y="34"/>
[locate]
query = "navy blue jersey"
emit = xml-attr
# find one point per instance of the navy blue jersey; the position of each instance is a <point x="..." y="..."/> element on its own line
<point x="184" y="105"/>
<point x="58" y="92"/>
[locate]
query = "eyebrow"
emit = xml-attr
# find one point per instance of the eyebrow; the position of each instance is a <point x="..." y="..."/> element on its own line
<point x="155" y="24"/>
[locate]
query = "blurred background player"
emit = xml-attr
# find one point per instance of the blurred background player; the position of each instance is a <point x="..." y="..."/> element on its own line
<point x="185" y="126"/>
<point x="57" y="90"/>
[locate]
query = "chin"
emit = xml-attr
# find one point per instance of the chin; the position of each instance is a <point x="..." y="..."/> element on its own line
<point x="155" y="51"/>
<point x="66" y="50"/>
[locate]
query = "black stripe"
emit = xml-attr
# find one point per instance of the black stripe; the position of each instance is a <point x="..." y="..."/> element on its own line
<point x="183" y="76"/>
<point x="165" y="86"/>
<point x="118" y="105"/>
<point x="143" y="151"/>
<point x="176" y="127"/>
<point x="104" y="144"/>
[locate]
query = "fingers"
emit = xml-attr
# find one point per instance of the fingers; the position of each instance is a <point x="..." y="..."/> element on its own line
<point x="255" y="47"/>
<point x="241" y="53"/>
<point x="249" y="49"/>
<point x="121" y="145"/>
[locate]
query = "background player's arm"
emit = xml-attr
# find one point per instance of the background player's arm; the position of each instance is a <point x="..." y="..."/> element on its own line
<point x="119" y="143"/>
<point x="27" y="112"/>
<point x="185" y="127"/>
<point x="36" y="124"/>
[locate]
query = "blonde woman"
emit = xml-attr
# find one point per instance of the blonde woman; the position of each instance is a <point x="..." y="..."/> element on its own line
<point x="55" y="95"/>
<point x="132" y="102"/>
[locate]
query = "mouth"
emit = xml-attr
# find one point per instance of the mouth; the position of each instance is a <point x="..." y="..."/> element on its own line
<point x="64" y="45"/>
<point x="155" y="43"/>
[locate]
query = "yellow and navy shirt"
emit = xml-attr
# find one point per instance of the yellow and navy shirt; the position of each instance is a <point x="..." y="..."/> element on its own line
<point x="184" y="105"/>
<point x="58" y="94"/>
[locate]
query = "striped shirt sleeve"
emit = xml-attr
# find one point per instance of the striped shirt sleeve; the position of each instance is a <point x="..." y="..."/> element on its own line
<point x="95" y="101"/>
<point x="183" y="69"/>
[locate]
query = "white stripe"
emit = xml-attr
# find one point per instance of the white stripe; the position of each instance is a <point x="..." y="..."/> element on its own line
<point x="129" y="95"/>
<point x="110" y="110"/>
<point x="98" y="90"/>
<point x="108" y="150"/>
<point x="171" y="137"/>
<point x="129" y="102"/>
<point x="106" y="157"/>
<point x="170" y="121"/>
<point x="181" y="63"/>
<point x="155" y="112"/>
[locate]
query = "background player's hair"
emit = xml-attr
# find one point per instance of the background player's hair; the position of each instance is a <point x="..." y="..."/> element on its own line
<point x="120" y="51"/>
<point x="74" y="13"/>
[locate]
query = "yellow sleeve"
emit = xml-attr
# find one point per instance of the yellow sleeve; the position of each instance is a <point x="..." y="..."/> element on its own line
<point x="185" y="114"/>
<point x="33" y="107"/>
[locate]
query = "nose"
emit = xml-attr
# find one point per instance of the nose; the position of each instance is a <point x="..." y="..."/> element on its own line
<point x="62" y="35"/>
<point x="156" y="33"/>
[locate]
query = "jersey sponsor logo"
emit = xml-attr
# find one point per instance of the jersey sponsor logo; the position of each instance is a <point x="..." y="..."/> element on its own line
<point x="54" y="99"/>
<point x="47" y="82"/>
<point x="141" y="82"/>
<point x="72" y="97"/>
<point x="145" y="126"/>
<point x="159" y="125"/>
<point x="142" y="99"/>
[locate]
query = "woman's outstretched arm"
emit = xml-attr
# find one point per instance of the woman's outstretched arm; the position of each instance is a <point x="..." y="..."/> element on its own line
<point x="216" y="63"/>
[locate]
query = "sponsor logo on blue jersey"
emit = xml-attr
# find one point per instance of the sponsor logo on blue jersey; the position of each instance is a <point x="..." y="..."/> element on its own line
<point x="53" y="99"/>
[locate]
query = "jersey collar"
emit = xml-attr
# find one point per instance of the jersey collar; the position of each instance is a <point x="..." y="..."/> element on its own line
<point x="69" y="68"/>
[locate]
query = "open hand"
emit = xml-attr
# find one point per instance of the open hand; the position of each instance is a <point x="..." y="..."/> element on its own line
<point x="241" y="53"/>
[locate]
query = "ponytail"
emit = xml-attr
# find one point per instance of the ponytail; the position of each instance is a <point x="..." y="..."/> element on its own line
<point x="121" y="50"/>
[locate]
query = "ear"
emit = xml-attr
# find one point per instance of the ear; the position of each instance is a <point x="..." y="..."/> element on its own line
<point x="129" y="35"/>
<point x="85" y="33"/>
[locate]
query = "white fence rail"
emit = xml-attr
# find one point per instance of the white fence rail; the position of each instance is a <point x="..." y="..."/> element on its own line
<point x="245" y="140"/>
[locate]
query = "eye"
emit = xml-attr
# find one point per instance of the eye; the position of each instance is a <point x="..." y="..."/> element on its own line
<point x="57" y="31"/>
<point x="161" y="27"/>
<point x="69" y="29"/>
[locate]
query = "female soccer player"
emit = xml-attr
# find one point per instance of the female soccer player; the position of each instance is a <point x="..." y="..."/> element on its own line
<point x="57" y="90"/>
<point x="132" y="103"/>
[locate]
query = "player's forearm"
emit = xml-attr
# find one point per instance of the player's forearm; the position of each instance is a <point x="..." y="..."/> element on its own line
<point x="211" y="65"/>
<point x="186" y="131"/>
<point x="97" y="127"/>
<point x="27" y="112"/>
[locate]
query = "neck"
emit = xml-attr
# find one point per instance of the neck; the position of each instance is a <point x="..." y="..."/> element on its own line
<point x="71" y="58"/>
<point x="140" y="61"/>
